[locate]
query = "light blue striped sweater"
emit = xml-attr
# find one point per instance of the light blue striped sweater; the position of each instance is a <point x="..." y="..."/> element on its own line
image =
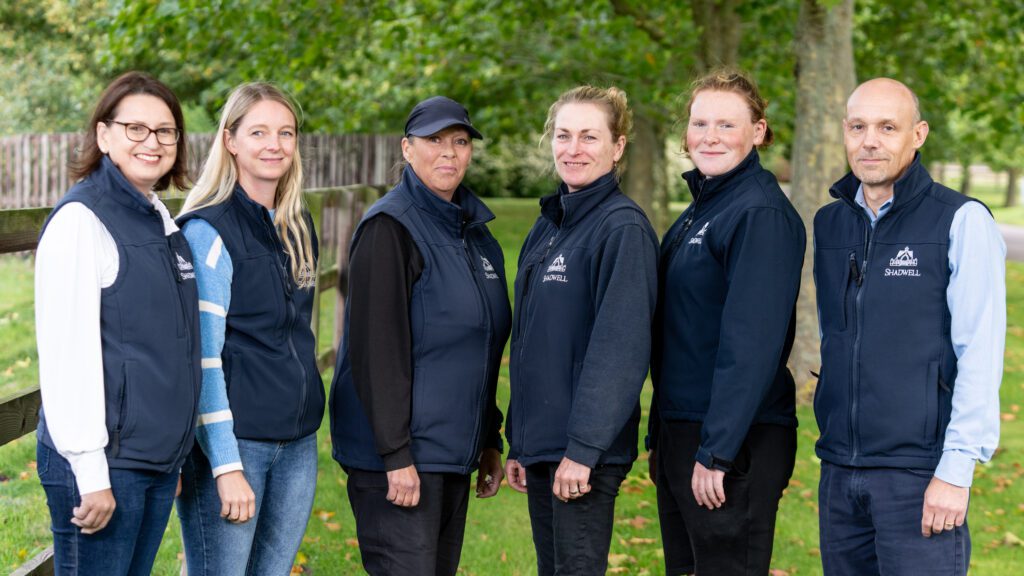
<point x="215" y="432"/>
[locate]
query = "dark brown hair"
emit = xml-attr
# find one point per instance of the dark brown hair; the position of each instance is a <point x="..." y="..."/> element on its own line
<point x="130" y="84"/>
<point x="726" y="80"/>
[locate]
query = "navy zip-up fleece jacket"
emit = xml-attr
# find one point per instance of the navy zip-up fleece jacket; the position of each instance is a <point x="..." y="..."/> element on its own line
<point x="585" y="295"/>
<point x="730" y="274"/>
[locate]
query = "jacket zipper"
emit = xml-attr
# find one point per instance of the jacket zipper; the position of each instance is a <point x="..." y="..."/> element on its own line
<point x="530" y="278"/>
<point x="292" y="314"/>
<point x="869" y="239"/>
<point x="188" y="334"/>
<point x="487" y="323"/>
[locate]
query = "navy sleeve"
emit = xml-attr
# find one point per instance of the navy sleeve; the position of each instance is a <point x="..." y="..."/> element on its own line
<point x="763" y="262"/>
<point x="615" y="365"/>
<point x="384" y="267"/>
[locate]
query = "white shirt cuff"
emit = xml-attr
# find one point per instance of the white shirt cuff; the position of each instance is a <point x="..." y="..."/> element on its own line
<point x="226" y="468"/>
<point x="956" y="468"/>
<point x="90" y="469"/>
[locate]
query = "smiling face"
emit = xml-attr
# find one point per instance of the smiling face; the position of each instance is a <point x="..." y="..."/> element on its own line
<point x="721" y="132"/>
<point x="881" y="133"/>
<point x="582" y="144"/>
<point x="142" y="163"/>
<point x="263" y="145"/>
<point x="440" y="160"/>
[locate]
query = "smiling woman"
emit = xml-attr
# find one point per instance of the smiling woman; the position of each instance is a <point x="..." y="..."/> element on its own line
<point x="119" y="398"/>
<point x="723" y="424"/>
<point x="248" y="485"/>
<point x="585" y="294"/>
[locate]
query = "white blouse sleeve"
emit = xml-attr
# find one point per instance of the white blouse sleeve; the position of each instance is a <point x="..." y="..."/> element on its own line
<point x="75" y="260"/>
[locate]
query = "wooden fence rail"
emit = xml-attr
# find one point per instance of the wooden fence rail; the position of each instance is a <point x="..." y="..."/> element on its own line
<point x="336" y="212"/>
<point x="34" y="167"/>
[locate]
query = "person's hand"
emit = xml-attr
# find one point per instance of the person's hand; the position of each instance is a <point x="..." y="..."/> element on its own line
<point x="93" y="514"/>
<point x="516" y="475"/>
<point x="488" y="477"/>
<point x="177" y="489"/>
<point x="404" y="487"/>
<point x="652" y="467"/>
<point x="707" y="485"/>
<point x="945" y="507"/>
<point x="237" y="500"/>
<point x="572" y="480"/>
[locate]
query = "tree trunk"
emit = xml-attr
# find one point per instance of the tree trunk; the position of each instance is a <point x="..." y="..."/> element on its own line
<point x="646" y="168"/>
<point x="1013" y="187"/>
<point x="965" y="178"/>
<point x="825" y="77"/>
<point x="720" y="32"/>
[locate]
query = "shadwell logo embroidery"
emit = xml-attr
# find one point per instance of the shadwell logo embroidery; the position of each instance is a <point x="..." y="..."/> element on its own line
<point x="698" y="238"/>
<point x="557" y="265"/>
<point x="488" y="269"/>
<point x="904" y="264"/>
<point x="185" y="268"/>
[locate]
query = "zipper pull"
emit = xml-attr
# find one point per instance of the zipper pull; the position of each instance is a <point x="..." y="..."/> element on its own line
<point x="855" y="269"/>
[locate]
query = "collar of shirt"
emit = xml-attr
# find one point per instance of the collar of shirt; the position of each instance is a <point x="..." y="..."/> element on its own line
<point x="859" y="199"/>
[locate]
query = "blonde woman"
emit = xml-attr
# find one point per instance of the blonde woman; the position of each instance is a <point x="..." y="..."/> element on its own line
<point x="248" y="485"/>
<point x="581" y="339"/>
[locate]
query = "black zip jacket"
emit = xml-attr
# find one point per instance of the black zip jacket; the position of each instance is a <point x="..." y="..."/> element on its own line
<point x="730" y="275"/>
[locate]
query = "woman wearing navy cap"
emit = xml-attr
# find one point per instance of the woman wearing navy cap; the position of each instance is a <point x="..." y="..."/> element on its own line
<point x="412" y="403"/>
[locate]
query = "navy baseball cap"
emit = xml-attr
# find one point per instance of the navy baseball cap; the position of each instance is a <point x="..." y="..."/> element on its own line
<point x="435" y="114"/>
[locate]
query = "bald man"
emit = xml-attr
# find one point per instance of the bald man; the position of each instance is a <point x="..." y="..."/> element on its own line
<point x="910" y="279"/>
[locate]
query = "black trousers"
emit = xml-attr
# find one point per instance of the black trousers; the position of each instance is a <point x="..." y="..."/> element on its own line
<point x="737" y="538"/>
<point x="423" y="540"/>
<point x="573" y="538"/>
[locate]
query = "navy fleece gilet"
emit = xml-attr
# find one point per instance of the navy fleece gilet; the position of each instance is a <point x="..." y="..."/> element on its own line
<point x="149" y="329"/>
<point x="884" y="397"/>
<point x="460" y="318"/>
<point x="269" y="356"/>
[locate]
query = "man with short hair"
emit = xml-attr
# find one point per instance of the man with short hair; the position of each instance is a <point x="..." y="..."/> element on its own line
<point x="910" y="279"/>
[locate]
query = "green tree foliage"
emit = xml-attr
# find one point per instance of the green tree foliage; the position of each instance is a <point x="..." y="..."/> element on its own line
<point x="46" y="64"/>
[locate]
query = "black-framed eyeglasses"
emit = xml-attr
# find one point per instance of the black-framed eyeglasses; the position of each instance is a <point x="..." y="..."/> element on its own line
<point x="139" y="133"/>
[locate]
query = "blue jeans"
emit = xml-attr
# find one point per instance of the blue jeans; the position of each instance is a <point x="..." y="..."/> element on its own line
<point x="129" y="542"/>
<point x="870" y="522"/>
<point x="573" y="538"/>
<point x="283" y="477"/>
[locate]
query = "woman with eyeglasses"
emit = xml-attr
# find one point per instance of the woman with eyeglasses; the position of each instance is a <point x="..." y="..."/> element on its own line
<point x="117" y="326"/>
<point x="249" y="483"/>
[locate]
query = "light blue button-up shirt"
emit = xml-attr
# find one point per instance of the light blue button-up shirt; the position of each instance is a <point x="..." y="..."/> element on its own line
<point x="976" y="297"/>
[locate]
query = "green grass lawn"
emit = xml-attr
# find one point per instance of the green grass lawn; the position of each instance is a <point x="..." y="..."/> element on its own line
<point x="498" y="531"/>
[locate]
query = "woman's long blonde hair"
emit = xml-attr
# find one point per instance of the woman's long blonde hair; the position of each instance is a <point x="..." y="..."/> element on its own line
<point x="217" y="181"/>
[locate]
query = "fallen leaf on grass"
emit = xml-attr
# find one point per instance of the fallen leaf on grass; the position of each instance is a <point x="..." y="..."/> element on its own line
<point x="354" y="543"/>
<point x="643" y="504"/>
<point x="504" y="556"/>
<point x="637" y="522"/>
<point x="777" y="572"/>
<point x="24" y="475"/>
<point x="814" y="552"/>
<point x="332" y="526"/>
<point x="620" y="559"/>
<point x="324" y="515"/>
<point x="1011" y="539"/>
<point x="1007" y="417"/>
<point x="638" y="540"/>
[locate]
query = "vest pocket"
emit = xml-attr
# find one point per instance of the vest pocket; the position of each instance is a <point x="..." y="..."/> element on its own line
<point x="931" y="425"/>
